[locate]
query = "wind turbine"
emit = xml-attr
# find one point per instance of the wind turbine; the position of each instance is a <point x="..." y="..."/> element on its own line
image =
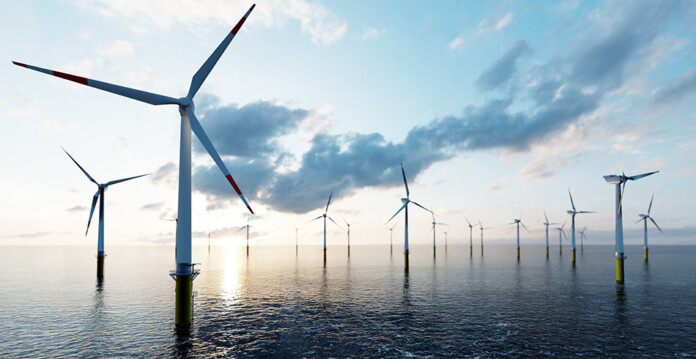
<point x="547" y="224"/>
<point x="561" y="234"/>
<point x="583" y="237"/>
<point x="572" y="214"/>
<point x="391" y="238"/>
<point x="620" y="182"/>
<point x="482" y="228"/>
<point x="101" y="191"/>
<point x="185" y="270"/>
<point x="434" y="230"/>
<point x="325" y="216"/>
<point x="296" y="236"/>
<point x="644" y="218"/>
<point x="247" y="234"/>
<point x="348" y="232"/>
<point x="471" y="238"/>
<point x="518" y="222"/>
<point x="405" y="202"/>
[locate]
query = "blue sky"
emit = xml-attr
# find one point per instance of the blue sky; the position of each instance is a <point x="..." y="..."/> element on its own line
<point x="495" y="108"/>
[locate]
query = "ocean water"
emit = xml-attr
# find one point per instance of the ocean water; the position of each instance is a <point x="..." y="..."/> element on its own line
<point x="274" y="303"/>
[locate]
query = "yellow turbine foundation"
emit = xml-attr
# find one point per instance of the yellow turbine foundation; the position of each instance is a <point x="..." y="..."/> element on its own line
<point x="619" y="270"/>
<point x="547" y="252"/>
<point x="183" y="311"/>
<point x="518" y="253"/>
<point x="645" y="254"/>
<point x="406" y="260"/>
<point x="573" y="255"/>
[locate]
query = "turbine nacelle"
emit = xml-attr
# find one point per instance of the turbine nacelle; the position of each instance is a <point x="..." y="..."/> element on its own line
<point x="615" y="179"/>
<point x="405" y="200"/>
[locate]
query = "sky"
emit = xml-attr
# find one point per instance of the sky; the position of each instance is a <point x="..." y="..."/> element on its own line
<point x="496" y="110"/>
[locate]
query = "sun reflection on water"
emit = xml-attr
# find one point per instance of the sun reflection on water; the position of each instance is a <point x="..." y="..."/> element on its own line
<point x="230" y="279"/>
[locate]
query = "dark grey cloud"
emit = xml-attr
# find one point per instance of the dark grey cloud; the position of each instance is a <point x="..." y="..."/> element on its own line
<point x="165" y="173"/>
<point x="561" y="91"/>
<point x="684" y="86"/>
<point x="503" y="68"/>
<point x="250" y="130"/>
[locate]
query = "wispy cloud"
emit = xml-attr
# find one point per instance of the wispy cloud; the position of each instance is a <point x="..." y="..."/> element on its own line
<point x="118" y="48"/>
<point x="492" y="25"/>
<point x="456" y="43"/>
<point x="371" y="33"/>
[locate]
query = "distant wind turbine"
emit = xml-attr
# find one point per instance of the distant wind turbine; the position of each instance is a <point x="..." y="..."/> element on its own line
<point x="348" y="232"/>
<point x="434" y="230"/>
<point x="547" y="224"/>
<point x="247" y="233"/>
<point x="471" y="238"/>
<point x="518" y="222"/>
<point x="482" y="228"/>
<point x="645" y="218"/>
<point x="296" y="236"/>
<point x="583" y="237"/>
<point x="572" y="214"/>
<point x="561" y="233"/>
<point x="391" y="238"/>
<point x="325" y="216"/>
<point x="405" y="202"/>
<point x="185" y="271"/>
<point x="620" y="182"/>
<point x="101" y="191"/>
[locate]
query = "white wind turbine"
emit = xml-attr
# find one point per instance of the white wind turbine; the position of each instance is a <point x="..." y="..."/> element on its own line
<point x="518" y="222"/>
<point x="391" y="238"/>
<point x="471" y="237"/>
<point x="561" y="234"/>
<point x="296" y="236"/>
<point x="482" y="228"/>
<point x="325" y="216"/>
<point x="185" y="271"/>
<point x="572" y="213"/>
<point x="405" y="202"/>
<point x="101" y="191"/>
<point x="348" y="232"/>
<point x="620" y="182"/>
<point x="547" y="224"/>
<point x="583" y="237"/>
<point x="645" y="218"/>
<point x="247" y="233"/>
<point x="434" y="230"/>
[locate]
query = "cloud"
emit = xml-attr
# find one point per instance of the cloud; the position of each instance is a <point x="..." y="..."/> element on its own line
<point x="166" y="174"/>
<point x="503" y="68"/>
<point x="499" y="184"/>
<point x="27" y="108"/>
<point x="118" y="48"/>
<point x="489" y="25"/>
<point x="683" y="87"/>
<point x="371" y="33"/>
<point x="153" y="206"/>
<point x="77" y="208"/>
<point x="322" y="25"/>
<point x="456" y="43"/>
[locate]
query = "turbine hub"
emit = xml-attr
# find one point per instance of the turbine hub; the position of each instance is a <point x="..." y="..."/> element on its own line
<point x="404" y="200"/>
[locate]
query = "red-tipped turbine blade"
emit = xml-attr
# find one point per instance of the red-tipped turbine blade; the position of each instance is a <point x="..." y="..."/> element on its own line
<point x="200" y="133"/>
<point x="142" y="96"/>
<point x="209" y="64"/>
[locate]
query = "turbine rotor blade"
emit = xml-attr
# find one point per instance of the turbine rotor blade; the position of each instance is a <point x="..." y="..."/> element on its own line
<point x="651" y="201"/>
<point x="334" y="222"/>
<point x="91" y="211"/>
<point x="467" y="221"/>
<point x="585" y="212"/>
<point x="210" y="63"/>
<point x="547" y="218"/>
<point x="138" y="95"/>
<point x="655" y="223"/>
<point x="421" y="206"/>
<point x="397" y="212"/>
<point x="125" y="179"/>
<point x="623" y="192"/>
<point x="403" y="173"/>
<point x="571" y="199"/>
<point x="328" y="203"/>
<point x="637" y="177"/>
<point x="525" y="227"/>
<point x="200" y="133"/>
<point x="78" y="165"/>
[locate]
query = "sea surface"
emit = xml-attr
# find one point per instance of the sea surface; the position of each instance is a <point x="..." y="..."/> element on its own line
<point x="279" y="303"/>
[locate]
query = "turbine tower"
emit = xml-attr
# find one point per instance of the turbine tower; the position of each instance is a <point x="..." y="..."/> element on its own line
<point x="247" y="234"/>
<point x="101" y="191"/>
<point x="620" y="182"/>
<point x="185" y="270"/>
<point x="644" y="218"/>
<point x="547" y="224"/>
<point x="518" y="222"/>
<point x="296" y="245"/>
<point x="348" y="232"/>
<point x="471" y="238"/>
<point x="325" y="216"/>
<point x="405" y="202"/>
<point x="572" y="213"/>
<point x="391" y="238"/>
